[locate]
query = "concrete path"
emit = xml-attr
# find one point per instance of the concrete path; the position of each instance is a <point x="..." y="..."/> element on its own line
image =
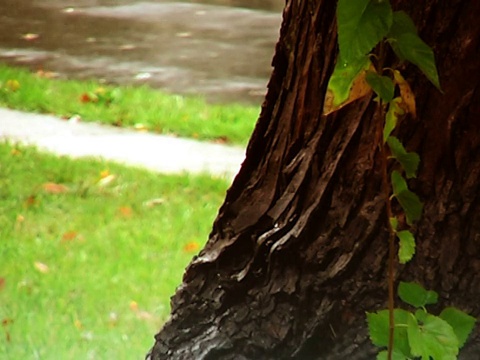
<point x="160" y="153"/>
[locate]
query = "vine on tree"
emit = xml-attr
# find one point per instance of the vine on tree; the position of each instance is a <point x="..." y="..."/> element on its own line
<point x="364" y="25"/>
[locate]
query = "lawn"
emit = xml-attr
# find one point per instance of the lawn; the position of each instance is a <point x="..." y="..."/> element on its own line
<point x="91" y="251"/>
<point x="139" y="107"/>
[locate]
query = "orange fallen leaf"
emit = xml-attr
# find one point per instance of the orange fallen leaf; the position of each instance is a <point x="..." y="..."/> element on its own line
<point x="30" y="201"/>
<point x="2" y="283"/>
<point x="46" y="74"/>
<point x="191" y="246"/>
<point x="43" y="268"/>
<point x="85" y="98"/>
<point x="104" y="174"/>
<point x="133" y="306"/>
<point x="69" y="236"/>
<point x="125" y="211"/>
<point x="53" y="188"/>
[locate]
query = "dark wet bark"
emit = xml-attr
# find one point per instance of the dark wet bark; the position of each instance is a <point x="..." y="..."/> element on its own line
<point x="298" y="250"/>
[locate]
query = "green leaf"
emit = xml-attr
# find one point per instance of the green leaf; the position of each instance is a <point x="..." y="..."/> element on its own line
<point x="383" y="355"/>
<point x="394" y="223"/>
<point x="435" y="338"/>
<point x="361" y="25"/>
<point x="382" y="85"/>
<point x="461" y="322"/>
<point x="407" y="246"/>
<point x="410" y="47"/>
<point x="409" y="201"/>
<point x="415" y="295"/>
<point x="421" y="315"/>
<point x="402" y="24"/>
<point x="378" y="326"/>
<point x="391" y="119"/>
<point x="408" y="160"/>
<point x="341" y="82"/>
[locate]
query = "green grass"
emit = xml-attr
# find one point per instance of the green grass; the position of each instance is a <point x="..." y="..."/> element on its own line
<point x="86" y="270"/>
<point x="128" y="106"/>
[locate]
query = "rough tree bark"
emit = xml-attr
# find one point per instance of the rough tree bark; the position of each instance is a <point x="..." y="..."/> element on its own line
<point x="298" y="250"/>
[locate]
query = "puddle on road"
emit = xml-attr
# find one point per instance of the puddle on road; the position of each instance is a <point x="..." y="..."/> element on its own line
<point x="221" y="52"/>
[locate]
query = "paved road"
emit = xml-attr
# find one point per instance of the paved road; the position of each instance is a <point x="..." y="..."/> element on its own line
<point x="161" y="153"/>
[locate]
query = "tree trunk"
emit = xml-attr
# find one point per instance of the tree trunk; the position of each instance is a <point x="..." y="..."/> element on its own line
<point x="298" y="250"/>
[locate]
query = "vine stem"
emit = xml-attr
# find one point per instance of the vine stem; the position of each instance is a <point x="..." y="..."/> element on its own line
<point x="388" y="209"/>
<point x="391" y="231"/>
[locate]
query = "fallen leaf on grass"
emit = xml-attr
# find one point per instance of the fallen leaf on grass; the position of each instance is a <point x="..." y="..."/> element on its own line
<point x="30" y="201"/>
<point x="85" y="98"/>
<point x="133" y="306"/>
<point x="69" y="236"/>
<point x="53" y="188"/>
<point x="46" y="74"/>
<point x="106" y="180"/>
<point x="15" y="152"/>
<point x="78" y="324"/>
<point x="2" y="283"/>
<point x="125" y="211"/>
<point x="12" y="85"/>
<point x="104" y="173"/>
<point x="43" y="268"/>
<point x="5" y="323"/>
<point x="141" y="314"/>
<point x="191" y="246"/>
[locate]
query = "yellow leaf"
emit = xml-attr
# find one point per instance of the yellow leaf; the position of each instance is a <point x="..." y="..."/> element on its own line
<point x="43" y="268"/>
<point x="78" y="324"/>
<point x="406" y="94"/>
<point x="12" y="85"/>
<point x="359" y="89"/>
<point x="133" y="306"/>
<point x="104" y="173"/>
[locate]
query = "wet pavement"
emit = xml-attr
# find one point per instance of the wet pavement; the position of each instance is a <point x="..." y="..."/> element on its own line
<point x="221" y="49"/>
